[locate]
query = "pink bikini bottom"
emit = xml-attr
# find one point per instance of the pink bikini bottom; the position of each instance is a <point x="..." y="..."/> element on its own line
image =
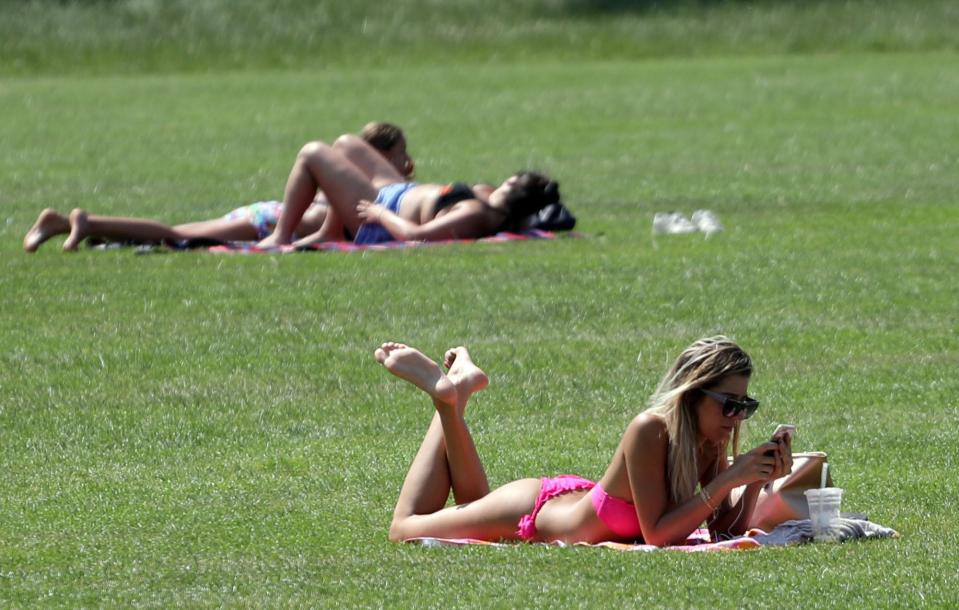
<point x="618" y="515"/>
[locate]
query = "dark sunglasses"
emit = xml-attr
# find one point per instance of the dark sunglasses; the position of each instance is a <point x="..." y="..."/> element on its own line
<point x="732" y="407"/>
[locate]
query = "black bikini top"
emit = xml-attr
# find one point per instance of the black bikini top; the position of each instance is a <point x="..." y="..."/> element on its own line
<point x="452" y="194"/>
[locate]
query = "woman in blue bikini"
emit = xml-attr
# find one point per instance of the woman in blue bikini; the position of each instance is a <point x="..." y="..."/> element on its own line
<point x="669" y="474"/>
<point x="378" y="145"/>
<point x="370" y="202"/>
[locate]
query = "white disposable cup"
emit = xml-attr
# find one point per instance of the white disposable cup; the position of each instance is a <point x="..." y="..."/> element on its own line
<point x="824" y="506"/>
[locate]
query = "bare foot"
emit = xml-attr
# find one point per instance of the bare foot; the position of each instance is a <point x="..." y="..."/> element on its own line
<point x="410" y="364"/>
<point x="78" y="230"/>
<point x="48" y="224"/>
<point x="465" y="375"/>
<point x="271" y="241"/>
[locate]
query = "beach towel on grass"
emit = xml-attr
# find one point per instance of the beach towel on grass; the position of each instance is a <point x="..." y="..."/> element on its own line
<point x="341" y="246"/>
<point x="790" y="532"/>
<point x="697" y="542"/>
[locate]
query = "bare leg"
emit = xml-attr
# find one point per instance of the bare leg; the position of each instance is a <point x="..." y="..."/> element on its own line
<point x="465" y="375"/>
<point x="378" y="166"/>
<point x="237" y="229"/>
<point x="440" y="465"/>
<point x="427" y="484"/>
<point x="447" y="459"/>
<point x="82" y="225"/>
<point x="331" y="230"/>
<point x="319" y="166"/>
<point x="421" y="507"/>
<point x="78" y="230"/>
<point x="467" y="475"/>
<point x="495" y="516"/>
<point x="48" y="224"/>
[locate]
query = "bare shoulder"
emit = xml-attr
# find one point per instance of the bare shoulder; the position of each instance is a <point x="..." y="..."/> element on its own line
<point x="483" y="190"/>
<point x="648" y="428"/>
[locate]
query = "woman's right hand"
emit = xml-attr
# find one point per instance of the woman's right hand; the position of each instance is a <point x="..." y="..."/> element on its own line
<point x="754" y="466"/>
<point x="368" y="211"/>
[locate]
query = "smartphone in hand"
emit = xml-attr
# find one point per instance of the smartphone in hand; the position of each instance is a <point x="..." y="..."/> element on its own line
<point x="784" y="432"/>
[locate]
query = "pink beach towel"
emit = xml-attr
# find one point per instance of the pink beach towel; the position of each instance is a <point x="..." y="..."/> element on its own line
<point x="251" y="248"/>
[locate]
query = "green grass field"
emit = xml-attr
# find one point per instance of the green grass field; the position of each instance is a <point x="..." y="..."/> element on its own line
<point x="197" y="430"/>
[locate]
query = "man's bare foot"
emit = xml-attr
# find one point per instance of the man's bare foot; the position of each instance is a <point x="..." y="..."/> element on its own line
<point x="463" y="372"/>
<point x="78" y="230"/>
<point x="48" y="224"/>
<point x="410" y="364"/>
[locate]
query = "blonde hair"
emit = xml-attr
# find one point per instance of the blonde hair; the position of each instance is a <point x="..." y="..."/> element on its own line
<point x="700" y="366"/>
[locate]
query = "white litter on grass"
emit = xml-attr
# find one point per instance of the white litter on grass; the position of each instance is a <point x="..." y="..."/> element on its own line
<point x="674" y="223"/>
<point x="706" y="222"/>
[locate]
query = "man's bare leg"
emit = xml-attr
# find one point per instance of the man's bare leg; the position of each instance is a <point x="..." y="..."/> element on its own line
<point x="83" y="225"/>
<point x="78" y="230"/>
<point x="49" y="223"/>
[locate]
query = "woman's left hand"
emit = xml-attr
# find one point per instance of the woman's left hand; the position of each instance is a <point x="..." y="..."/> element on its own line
<point x="784" y="458"/>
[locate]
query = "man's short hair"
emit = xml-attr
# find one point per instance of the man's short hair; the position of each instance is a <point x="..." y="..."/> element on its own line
<point x="382" y="136"/>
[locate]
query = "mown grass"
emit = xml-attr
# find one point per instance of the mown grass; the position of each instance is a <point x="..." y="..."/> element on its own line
<point x="49" y="36"/>
<point x="185" y="429"/>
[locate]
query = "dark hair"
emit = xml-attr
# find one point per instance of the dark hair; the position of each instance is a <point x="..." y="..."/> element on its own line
<point x="382" y="136"/>
<point x="532" y="192"/>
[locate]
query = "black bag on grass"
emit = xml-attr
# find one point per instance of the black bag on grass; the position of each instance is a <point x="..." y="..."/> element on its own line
<point x="554" y="217"/>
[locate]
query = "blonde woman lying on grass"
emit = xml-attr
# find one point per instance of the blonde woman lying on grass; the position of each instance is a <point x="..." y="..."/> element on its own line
<point x="669" y="474"/>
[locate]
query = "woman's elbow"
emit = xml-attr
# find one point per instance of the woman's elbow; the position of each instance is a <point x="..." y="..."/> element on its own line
<point x="656" y="540"/>
<point x="659" y="537"/>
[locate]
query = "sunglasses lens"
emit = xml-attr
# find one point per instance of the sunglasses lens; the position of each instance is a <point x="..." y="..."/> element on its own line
<point x="732" y="408"/>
